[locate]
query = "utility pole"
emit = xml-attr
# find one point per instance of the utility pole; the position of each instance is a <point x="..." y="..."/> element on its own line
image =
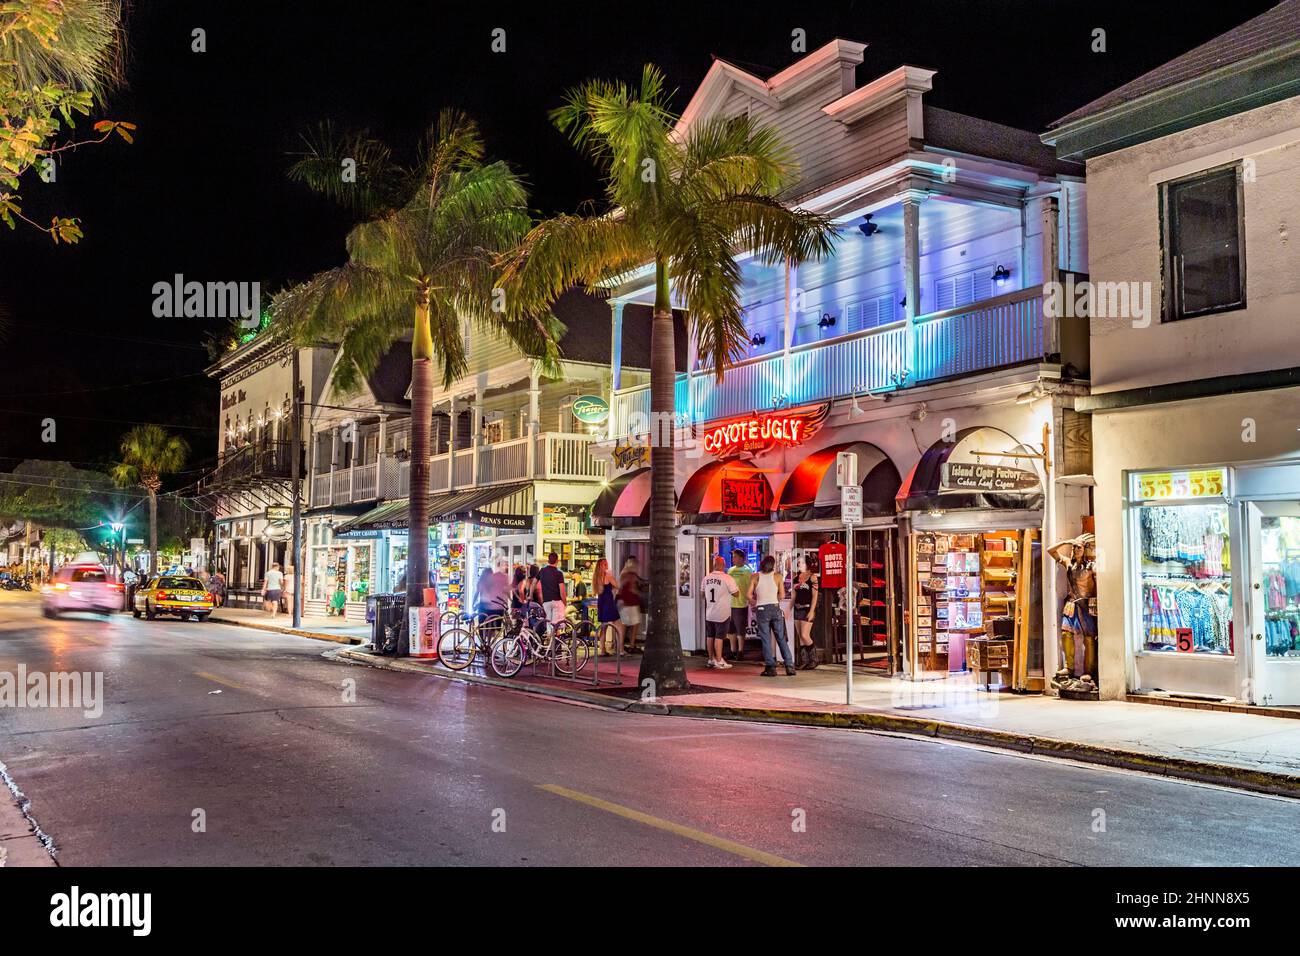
<point x="295" y="472"/>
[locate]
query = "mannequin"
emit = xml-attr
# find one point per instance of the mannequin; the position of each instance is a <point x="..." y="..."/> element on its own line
<point x="1078" y="615"/>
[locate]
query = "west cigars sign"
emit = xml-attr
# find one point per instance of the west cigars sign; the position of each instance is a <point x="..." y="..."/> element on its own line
<point x="760" y="432"/>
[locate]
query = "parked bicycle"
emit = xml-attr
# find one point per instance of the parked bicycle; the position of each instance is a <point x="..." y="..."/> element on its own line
<point x="528" y="638"/>
<point x="470" y="636"/>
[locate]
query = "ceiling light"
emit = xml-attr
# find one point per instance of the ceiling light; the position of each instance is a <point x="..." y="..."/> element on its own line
<point x="867" y="227"/>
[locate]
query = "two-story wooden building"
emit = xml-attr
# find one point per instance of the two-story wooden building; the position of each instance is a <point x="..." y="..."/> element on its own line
<point x="1193" y="187"/>
<point x="512" y="471"/>
<point x="250" y="491"/>
<point x="922" y="347"/>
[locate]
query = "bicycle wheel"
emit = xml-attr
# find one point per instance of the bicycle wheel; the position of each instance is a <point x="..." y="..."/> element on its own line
<point x="487" y="632"/>
<point x="456" y="648"/>
<point x="571" y="654"/>
<point x="507" y="655"/>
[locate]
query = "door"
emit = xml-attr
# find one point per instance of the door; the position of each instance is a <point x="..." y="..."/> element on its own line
<point x="1272" y="552"/>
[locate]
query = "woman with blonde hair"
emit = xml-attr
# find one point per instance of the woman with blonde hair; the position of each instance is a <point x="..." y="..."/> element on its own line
<point x="603" y="587"/>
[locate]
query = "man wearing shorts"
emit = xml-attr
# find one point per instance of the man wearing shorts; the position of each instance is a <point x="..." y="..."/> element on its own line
<point x="718" y="589"/>
<point x="551" y="583"/>
<point x="740" y="574"/>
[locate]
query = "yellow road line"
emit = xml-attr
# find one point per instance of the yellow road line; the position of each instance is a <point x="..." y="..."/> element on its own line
<point x="699" y="836"/>
<point x="219" y="680"/>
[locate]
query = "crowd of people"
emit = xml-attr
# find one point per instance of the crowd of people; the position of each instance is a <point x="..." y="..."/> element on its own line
<point x="736" y="596"/>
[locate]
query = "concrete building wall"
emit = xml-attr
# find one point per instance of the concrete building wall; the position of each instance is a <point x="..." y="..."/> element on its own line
<point x="1125" y="246"/>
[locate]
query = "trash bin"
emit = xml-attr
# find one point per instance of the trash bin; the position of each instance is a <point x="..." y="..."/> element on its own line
<point x="388" y="612"/>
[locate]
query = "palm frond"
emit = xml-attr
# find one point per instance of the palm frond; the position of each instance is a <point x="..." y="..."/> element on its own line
<point x="380" y="183"/>
<point x="567" y="251"/>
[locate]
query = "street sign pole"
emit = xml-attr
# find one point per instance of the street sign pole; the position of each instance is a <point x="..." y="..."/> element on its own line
<point x="295" y="472"/>
<point x="846" y="476"/>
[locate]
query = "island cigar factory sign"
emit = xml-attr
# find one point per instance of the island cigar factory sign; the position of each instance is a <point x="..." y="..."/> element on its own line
<point x="963" y="477"/>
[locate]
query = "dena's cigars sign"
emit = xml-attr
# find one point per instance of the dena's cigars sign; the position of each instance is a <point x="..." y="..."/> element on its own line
<point x="760" y="432"/>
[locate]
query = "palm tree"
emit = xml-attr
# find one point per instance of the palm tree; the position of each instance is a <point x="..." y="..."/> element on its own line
<point x="688" y="203"/>
<point x="425" y="258"/>
<point x="148" y="453"/>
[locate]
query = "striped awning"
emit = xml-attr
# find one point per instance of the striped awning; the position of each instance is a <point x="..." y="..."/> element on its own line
<point x="505" y="507"/>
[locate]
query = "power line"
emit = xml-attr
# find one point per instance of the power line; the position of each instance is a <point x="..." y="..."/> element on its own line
<point x="114" y="338"/>
<point x="103" y="388"/>
<point x="110" y="421"/>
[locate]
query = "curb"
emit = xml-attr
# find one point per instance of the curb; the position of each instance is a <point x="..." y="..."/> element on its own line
<point x="603" y="701"/>
<point x="1223" y="775"/>
<point x="296" y="632"/>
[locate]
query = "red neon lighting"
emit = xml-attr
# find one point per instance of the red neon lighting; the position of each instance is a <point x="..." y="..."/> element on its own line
<point x="762" y="431"/>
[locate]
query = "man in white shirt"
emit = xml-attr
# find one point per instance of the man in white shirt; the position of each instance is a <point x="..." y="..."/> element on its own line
<point x="717" y="589"/>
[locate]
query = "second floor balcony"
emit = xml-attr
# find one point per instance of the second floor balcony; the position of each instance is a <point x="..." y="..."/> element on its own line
<point x="548" y="456"/>
<point x="999" y="332"/>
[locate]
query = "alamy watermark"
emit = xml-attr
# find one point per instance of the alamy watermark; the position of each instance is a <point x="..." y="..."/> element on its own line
<point x="1103" y="300"/>
<point x="74" y="690"/>
<point x="208" y="300"/>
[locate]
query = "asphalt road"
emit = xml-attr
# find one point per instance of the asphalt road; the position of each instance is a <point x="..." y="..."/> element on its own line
<point x="253" y="730"/>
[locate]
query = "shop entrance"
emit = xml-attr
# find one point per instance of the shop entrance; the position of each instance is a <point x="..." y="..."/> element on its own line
<point x="876" y="643"/>
<point x="975" y="602"/>
<point x="1273" y="599"/>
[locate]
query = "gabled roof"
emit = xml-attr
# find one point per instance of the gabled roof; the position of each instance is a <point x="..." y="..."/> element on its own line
<point x="1269" y="31"/>
<point x="392" y="376"/>
<point x="834" y="57"/>
<point x="968" y="134"/>
<point x="588" y="331"/>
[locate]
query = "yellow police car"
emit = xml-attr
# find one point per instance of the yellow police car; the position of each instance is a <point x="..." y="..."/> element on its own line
<point x="183" y="596"/>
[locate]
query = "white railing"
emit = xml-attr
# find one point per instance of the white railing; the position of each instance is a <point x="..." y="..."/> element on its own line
<point x="320" y="490"/>
<point x="503" y="461"/>
<point x="1006" y="330"/>
<point x="365" y="481"/>
<point x="1002" y="331"/>
<point x="567" y="456"/>
<point x="465" y="468"/>
<point x="342" y="486"/>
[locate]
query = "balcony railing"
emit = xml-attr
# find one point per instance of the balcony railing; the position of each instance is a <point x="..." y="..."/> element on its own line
<point x="251" y="465"/>
<point x="557" y="456"/>
<point x="1003" y="331"/>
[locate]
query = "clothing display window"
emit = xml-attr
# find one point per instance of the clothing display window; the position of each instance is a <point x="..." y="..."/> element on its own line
<point x="1186" y="580"/>
<point x="1280" y="566"/>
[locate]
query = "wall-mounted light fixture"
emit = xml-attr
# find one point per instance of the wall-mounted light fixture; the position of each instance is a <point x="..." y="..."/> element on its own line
<point x="758" y="340"/>
<point x="1001" y="275"/>
<point x="826" y="321"/>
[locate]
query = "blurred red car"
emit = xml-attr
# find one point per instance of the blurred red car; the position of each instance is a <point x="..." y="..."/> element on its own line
<point x="81" y="587"/>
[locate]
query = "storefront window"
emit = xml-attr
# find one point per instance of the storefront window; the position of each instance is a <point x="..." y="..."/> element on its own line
<point x="359" y="583"/>
<point x="1185" y="579"/>
<point x="1280" y="564"/>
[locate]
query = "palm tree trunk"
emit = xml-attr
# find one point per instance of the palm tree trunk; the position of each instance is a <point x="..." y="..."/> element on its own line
<point x="662" y="660"/>
<point x="417" y="551"/>
<point x="153" y="532"/>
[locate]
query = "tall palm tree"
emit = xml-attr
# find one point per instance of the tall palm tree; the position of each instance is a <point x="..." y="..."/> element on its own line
<point x="425" y="259"/>
<point x="688" y="203"/>
<point x="148" y="453"/>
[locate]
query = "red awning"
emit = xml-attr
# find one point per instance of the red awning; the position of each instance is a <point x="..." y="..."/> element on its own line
<point x="810" y="492"/>
<point x="727" y="490"/>
<point x="625" y="502"/>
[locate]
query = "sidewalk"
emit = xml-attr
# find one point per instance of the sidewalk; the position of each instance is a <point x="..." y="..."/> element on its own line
<point x="324" y="628"/>
<point x="1251" y="751"/>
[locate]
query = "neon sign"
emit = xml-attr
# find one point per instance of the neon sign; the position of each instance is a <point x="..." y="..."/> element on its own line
<point x="761" y="432"/>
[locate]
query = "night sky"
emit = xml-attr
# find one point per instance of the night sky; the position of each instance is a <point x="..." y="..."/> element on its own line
<point x="203" y="191"/>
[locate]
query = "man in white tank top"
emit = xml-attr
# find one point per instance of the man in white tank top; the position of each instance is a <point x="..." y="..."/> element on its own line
<point x="766" y="591"/>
